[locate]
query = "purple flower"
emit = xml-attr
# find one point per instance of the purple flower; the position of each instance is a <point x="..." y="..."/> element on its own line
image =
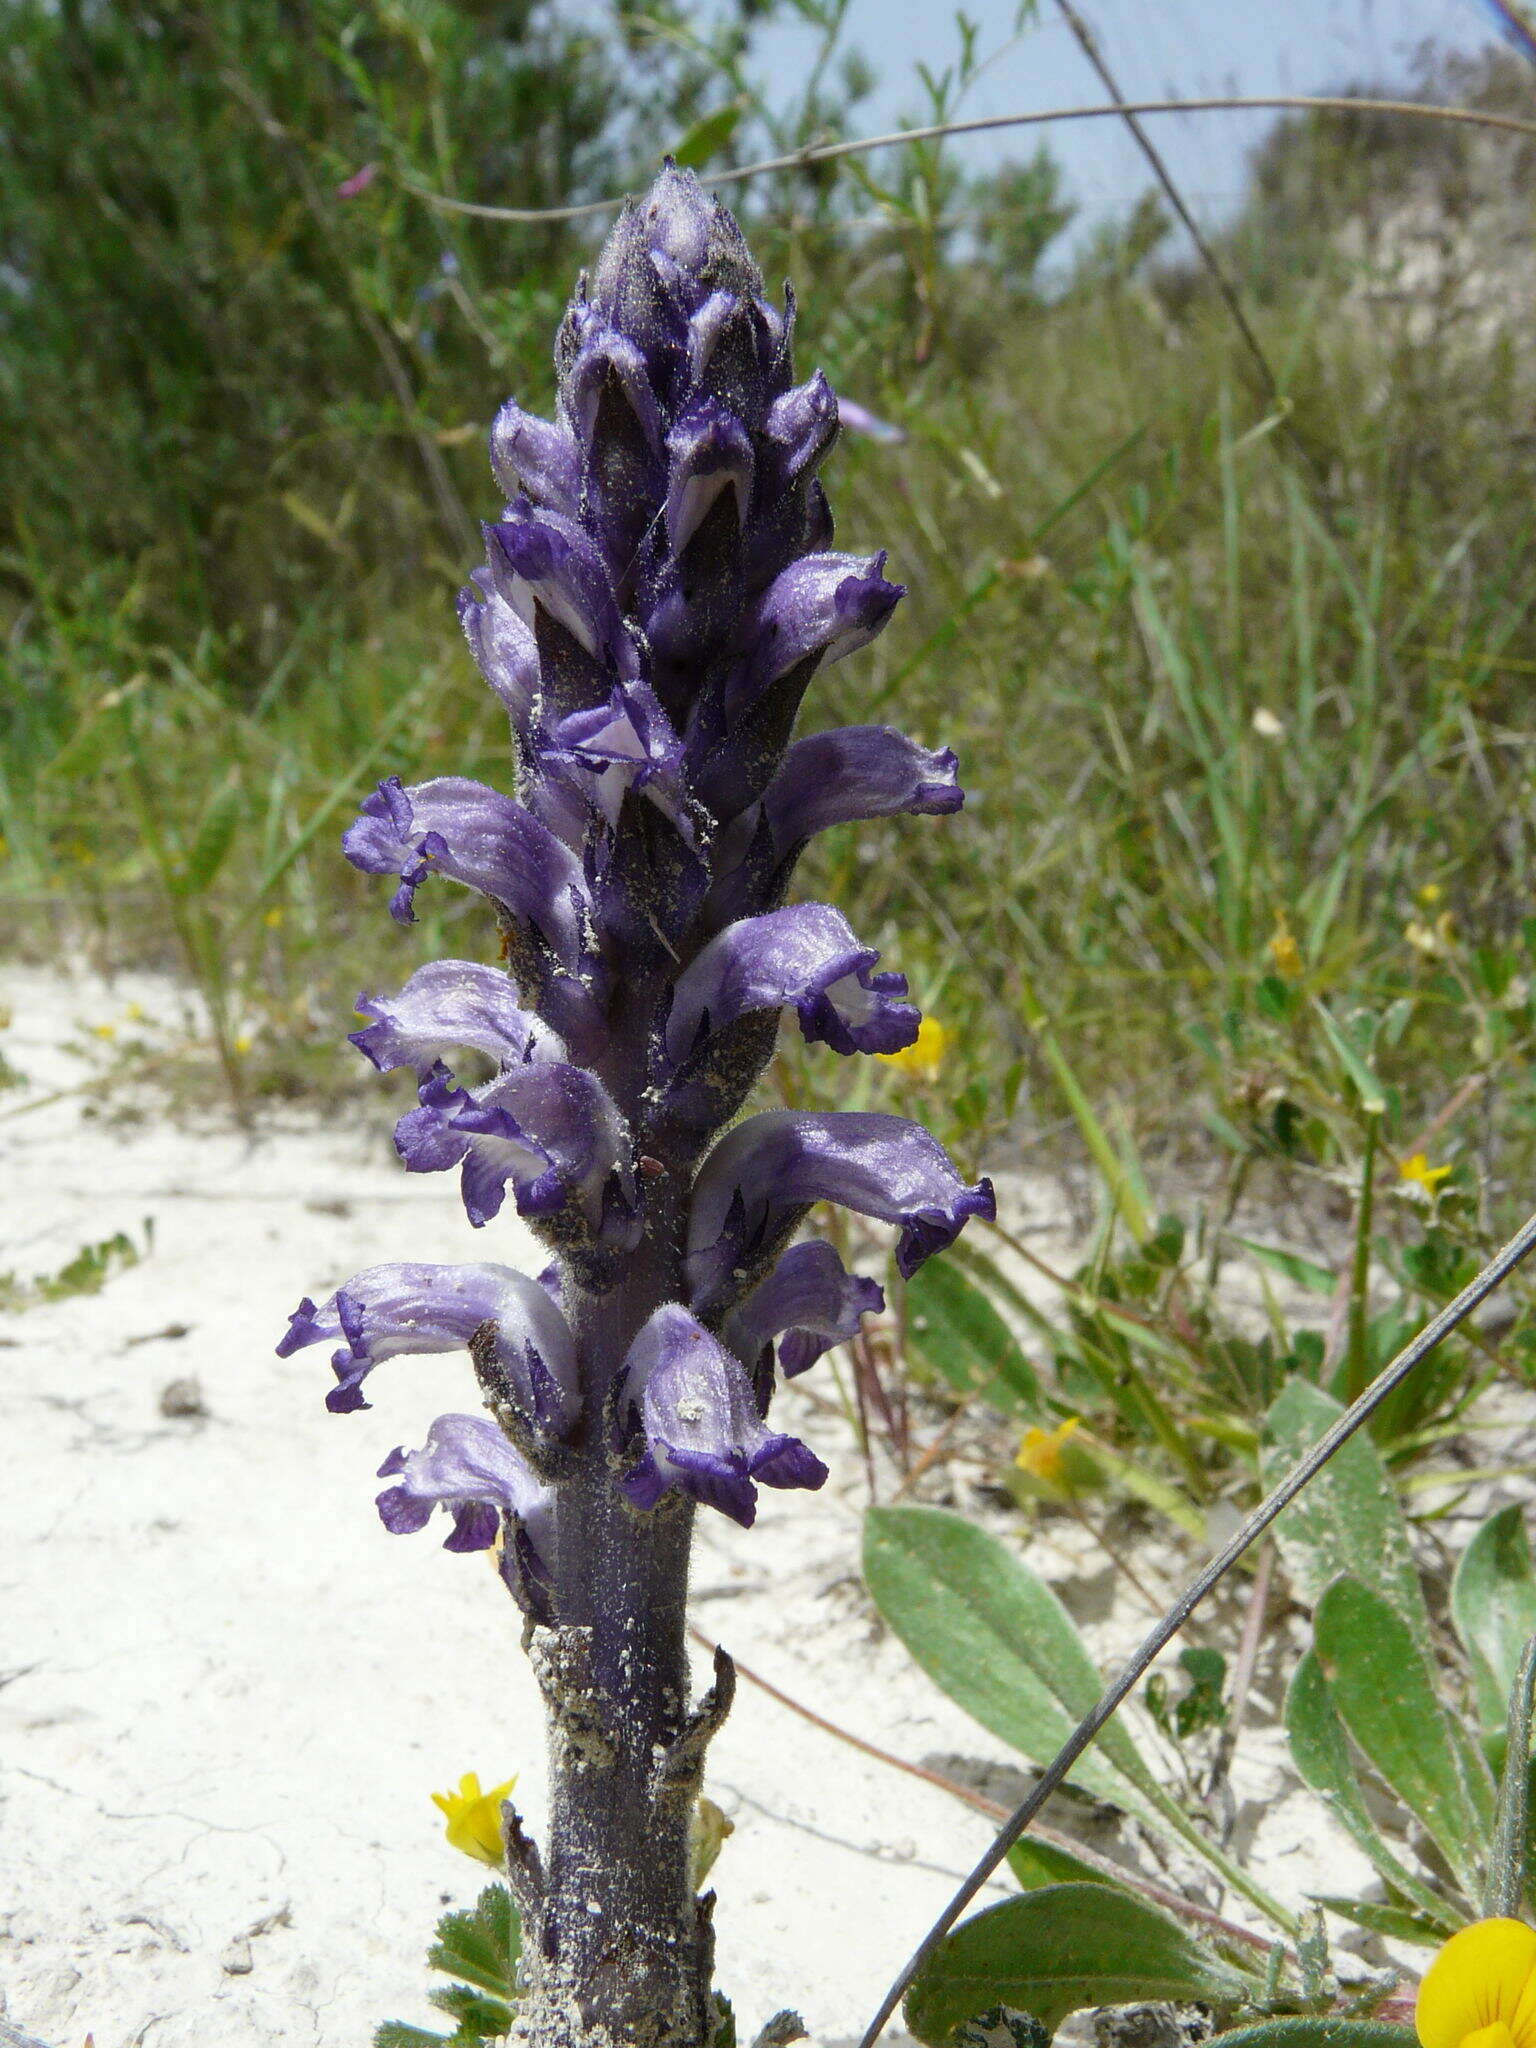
<point x="658" y="594"/>
<point x="503" y="646"/>
<point x="760" y="1180"/>
<point x="806" y="956"/>
<point x="472" y="834"/>
<point x="407" y="1310"/>
<point x="487" y="1486"/>
<point x="549" y="1129"/>
<point x="809" y="1302"/>
<point x="698" y="1417"/>
<point x="819" y="609"/>
<point x="445" y="1005"/>
<point x="536" y="459"/>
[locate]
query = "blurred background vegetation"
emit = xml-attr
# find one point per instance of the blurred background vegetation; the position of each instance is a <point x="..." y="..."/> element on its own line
<point x="1242" y="898"/>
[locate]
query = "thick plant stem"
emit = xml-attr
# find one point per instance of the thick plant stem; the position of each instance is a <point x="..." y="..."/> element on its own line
<point x="622" y="1951"/>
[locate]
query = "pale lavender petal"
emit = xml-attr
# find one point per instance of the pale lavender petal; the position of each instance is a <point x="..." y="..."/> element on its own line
<point x="542" y="561"/>
<point x="408" y="1309"/>
<point x="762" y="1177"/>
<point x="448" y="1004"/>
<point x="822" y="607"/>
<point x="693" y="1405"/>
<point x="810" y="1301"/>
<point x="503" y="646"/>
<point x="807" y="956"/>
<point x="468" y="1467"/>
<point x="536" y="458"/>
<point x="856" y="772"/>
<point x="474" y="835"/>
<point x="711" y="457"/>
<point x="549" y="1129"/>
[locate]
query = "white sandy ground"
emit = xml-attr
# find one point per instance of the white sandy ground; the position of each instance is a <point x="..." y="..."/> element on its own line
<point x="226" y="1693"/>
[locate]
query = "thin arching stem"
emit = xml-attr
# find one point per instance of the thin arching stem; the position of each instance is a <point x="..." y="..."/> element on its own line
<point x="828" y="152"/>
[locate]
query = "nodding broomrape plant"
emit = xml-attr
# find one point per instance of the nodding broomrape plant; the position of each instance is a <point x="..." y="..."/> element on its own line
<point x="658" y="593"/>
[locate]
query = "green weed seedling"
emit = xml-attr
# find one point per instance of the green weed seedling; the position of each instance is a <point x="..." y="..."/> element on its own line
<point x="86" y="1273"/>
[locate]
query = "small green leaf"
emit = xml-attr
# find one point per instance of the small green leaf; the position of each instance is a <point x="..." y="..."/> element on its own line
<point x="1493" y="1604"/>
<point x="1396" y="1922"/>
<point x="1372" y="1099"/>
<point x="1505" y="1885"/>
<point x="1384" y="1690"/>
<point x="1320" y="1752"/>
<point x="476" y="2014"/>
<point x="997" y="1640"/>
<point x="481" y="1946"/>
<point x="1298" y="2031"/>
<point x="1036" y="1864"/>
<point x="396" y="2034"/>
<point x="955" y="1331"/>
<point x="1291" y="1266"/>
<point x="1350" y="1512"/>
<point x="1053" y="1952"/>
<point x="708" y="135"/>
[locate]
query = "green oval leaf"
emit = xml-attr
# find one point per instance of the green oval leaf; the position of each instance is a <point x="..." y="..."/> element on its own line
<point x="996" y="1639"/>
<point x="1493" y="1604"/>
<point x="1384" y="1690"/>
<point x="1349" y="1514"/>
<point x="1056" y="1951"/>
<point x="1320" y="1752"/>
<point x="955" y="1331"/>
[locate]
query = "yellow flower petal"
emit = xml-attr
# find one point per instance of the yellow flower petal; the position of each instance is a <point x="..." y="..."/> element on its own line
<point x="474" y="1818"/>
<point x="1422" y="1174"/>
<point x="925" y="1055"/>
<point x="1040" y="1452"/>
<point x="1480" y="1991"/>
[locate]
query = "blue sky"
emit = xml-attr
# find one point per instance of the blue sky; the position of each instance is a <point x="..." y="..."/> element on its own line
<point x="1159" y="48"/>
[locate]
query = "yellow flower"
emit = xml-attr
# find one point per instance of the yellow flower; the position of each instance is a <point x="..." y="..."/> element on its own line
<point x="244" y="1043"/>
<point x="1422" y="1174"/>
<point x="474" y="1818"/>
<point x="104" y="1030"/>
<point x="1284" y="951"/>
<point x="1480" y="1991"/>
<point x="925" y="1055"/>
<point x="273" y="918"/>
<point x="1040" y="1453"/>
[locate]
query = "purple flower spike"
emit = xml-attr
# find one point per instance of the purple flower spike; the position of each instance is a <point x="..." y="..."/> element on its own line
<point x="409" y="1310"/>
<point x="445" y="1005"/>
<point x="699" y="1419"/>
<point x="810" y="1302"/>
<point x="806" y="956"/>
<point x="658" y="594"/>
<point x="468" y="1467"/>
<point x="474" y="835"/>
<point x="759" y="1181"/>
